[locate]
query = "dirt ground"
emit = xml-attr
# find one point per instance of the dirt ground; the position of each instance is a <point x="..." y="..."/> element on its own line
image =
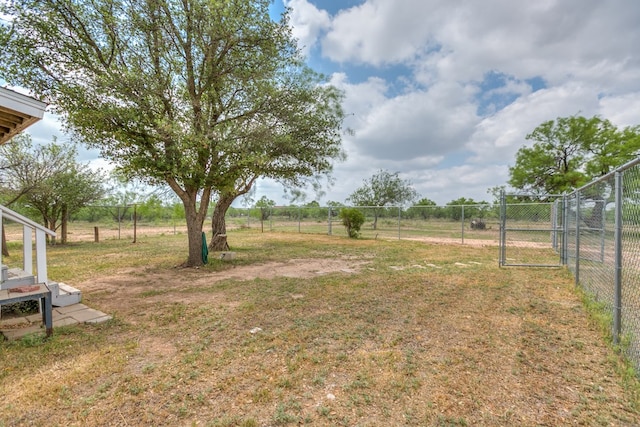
<point x="530" y="358"/>
<point x="121" y="287"/>
<point x="425" y="340"/>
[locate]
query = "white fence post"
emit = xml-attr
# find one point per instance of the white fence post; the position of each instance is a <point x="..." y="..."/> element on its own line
<point x="27" y="249"/>
<point x="41" y="256"/>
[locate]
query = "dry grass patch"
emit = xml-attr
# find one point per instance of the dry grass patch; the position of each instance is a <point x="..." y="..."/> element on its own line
<point x="317" y="330"/>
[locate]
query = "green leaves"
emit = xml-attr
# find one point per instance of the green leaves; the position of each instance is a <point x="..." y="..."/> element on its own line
<point x="571" y="151"/>
<point x="204" y="95"/>
<point x="382" y="189"/>
<point x="47" y="178"/>
<point x="352" y="219"/>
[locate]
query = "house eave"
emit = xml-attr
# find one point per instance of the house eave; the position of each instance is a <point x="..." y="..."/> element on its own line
<point x="17" y="112"/>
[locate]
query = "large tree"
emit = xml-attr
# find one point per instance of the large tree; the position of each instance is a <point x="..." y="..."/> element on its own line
<point x="382" y="189"/>
<point x="571" y="151"/>
<point x="205" y="96"/>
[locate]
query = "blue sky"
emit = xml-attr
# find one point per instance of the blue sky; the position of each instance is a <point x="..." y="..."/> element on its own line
<point x="445" y="92"/>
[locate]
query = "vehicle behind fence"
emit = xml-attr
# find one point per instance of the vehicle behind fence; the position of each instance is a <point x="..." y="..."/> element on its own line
<point x="450" y="223"/>
<point x="594" y="231"/>
<point x="445" y="223"/>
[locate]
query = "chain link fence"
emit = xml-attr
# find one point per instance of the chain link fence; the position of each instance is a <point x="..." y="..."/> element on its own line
<point x="595" y="232"/>
<point x="603" y="249"/>
<point x="531" y="230"/>
<point x="475" y="224"/>
<point x="450" y="223"/>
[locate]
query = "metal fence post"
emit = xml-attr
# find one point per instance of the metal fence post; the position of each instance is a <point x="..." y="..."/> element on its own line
<point x="554" y="225"/>
<point x="503" y="223"/>
<point x="565" y="231"/>
<point x="462" y="225"/>
<point x="602" y="230"/>
<point x="329" y="222"/>
<point x="119" y="223"/>
<point x="617" y="305"/>
<point x="399" y="219"/>
<point x="577" y="272"/>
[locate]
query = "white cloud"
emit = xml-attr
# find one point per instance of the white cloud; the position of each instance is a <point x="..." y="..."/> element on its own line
<point x="467" y="181"/>
<point x="308" y="22"/>
<point x="622" y="110"/>
<point x="553" y="39"/>
<point x="417" y="125"/>
<point x="498" y="137"/>
<point x="443" y="130"/>
<point x="378" y="32"/>
<point x="444" y="124"/>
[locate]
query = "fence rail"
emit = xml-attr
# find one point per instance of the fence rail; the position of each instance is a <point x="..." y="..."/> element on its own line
<point x="451" y="223"/>
<point x="595" y="232"/>
<point x="603" y="249"/>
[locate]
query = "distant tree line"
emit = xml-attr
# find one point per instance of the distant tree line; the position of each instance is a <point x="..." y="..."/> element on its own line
<point x="48" y="182"/>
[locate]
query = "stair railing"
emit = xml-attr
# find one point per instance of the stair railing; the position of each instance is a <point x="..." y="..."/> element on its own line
<point x="28" y="228"/>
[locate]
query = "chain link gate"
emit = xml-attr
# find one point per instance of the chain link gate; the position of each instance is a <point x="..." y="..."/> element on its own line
<point x="595" y="232"/>
<point x="532" y="230"/>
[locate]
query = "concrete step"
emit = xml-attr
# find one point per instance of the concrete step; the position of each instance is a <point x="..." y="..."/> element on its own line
<point x="63" y="295"/>
<point x="17" y="328"/>
<point x="16" y="277"/>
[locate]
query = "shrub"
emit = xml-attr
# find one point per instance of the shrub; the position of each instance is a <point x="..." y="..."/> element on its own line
<point x="352" y="219"/>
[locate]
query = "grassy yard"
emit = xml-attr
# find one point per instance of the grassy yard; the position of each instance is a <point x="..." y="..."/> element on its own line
<point x="316" y="330"/>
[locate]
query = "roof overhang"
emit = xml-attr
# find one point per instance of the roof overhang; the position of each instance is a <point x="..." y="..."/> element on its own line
<point x="17" y="112"/>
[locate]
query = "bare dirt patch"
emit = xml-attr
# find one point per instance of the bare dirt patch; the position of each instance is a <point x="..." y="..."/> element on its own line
<point x="170" y="284"/>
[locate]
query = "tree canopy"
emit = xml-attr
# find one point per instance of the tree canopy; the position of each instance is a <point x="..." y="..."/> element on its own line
<point x="571" y="151"/>
<point x="48" y="180"/>
<point x="382" y="189"/>
<point x="205" y="96"/>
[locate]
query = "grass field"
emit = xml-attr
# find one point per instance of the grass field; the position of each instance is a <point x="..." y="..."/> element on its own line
<point x="316" y="330"/>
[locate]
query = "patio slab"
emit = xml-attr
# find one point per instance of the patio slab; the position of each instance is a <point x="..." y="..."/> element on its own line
<point x="16" y="328"/>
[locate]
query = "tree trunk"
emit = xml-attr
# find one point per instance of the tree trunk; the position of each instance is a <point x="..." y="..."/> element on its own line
<point x="596" y="219"/>
<point x="195" y="221"/>
<point x="194" y="216"/>
<point x="194" y="233"/>
<point x="51" y="224"/>
<point x="218" y="224"/>
<point x="63" y="227"/>
<point x="5" y="249"/>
